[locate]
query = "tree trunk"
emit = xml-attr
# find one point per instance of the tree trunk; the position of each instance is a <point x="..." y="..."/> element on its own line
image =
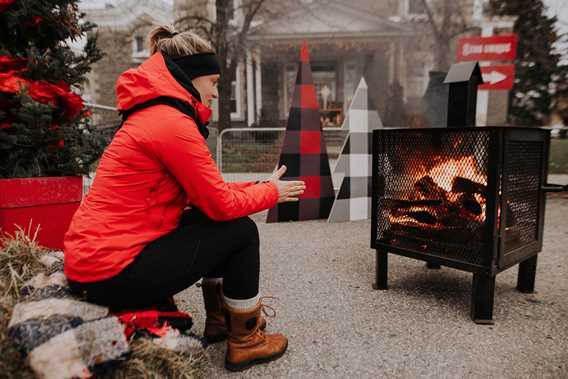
<point x="442" y="55"/>
<point x="223" y="11"/>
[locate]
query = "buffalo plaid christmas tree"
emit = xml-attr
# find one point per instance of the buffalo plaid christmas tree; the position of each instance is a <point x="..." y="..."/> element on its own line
<point x="304" y="153"/>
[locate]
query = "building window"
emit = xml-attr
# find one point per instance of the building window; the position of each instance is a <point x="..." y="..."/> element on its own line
<point x="237" y="94"/>
<point x="231" y="10"/>
<point x="139" y="50"/>
<point x="325" y="80"/>
<point x="138" y="44"/>
<point x="416" y="7"/>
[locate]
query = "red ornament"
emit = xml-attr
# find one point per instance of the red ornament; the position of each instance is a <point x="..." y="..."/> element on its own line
<point x="58" y="95"/>
<point x="74" y="105"/>
<point x="43" y="92"/>
<point x="9" y="63"/>
<point x="5" y="125"/>
<point x="10" y="83"/>
<point x="37" y="20"/>
<point x="71" y="102"/>
<point x="61" y="144"/>
<point x="5" y="4"/>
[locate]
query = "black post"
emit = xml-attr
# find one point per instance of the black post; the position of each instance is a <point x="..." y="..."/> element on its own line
<point x="482" y="294"/>
<point x="527" y="274"/>
<point x="463" y="79"/>
<point x="381" y="270"/>
<point x="435" y="100"/>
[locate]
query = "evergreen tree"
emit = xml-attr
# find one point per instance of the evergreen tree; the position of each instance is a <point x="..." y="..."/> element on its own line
<point x="537" y="63"/>
<point x="44" y="126"/>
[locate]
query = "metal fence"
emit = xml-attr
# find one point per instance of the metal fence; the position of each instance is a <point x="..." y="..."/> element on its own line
<point x="252" y="153"/>
<point x="105" y="122"/>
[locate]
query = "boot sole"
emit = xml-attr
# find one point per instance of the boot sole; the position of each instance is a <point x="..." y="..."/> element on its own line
<point x="245" y="365"/>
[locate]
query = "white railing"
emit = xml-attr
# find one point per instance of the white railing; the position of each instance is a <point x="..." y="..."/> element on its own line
<point x="252" y="153"/>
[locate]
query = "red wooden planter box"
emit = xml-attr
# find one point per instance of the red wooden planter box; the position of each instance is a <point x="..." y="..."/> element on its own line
<point x="49" y="202"/>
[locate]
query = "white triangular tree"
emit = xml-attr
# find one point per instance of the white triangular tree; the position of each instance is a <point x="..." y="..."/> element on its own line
<point x="353" y="200"/>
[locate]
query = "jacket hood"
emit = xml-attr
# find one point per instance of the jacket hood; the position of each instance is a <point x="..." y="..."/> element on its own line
<point x="150" y="80"/>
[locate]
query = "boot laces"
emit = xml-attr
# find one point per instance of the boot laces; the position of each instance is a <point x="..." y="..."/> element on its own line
<point x="266" y="309"/>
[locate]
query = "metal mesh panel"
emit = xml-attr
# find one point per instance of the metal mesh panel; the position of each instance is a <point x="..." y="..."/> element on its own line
<point x="522" y="177"/>
<point x="434" y="196"/>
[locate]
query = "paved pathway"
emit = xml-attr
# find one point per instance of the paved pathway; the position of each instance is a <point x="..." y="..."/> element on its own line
<point x="339" y="327"/>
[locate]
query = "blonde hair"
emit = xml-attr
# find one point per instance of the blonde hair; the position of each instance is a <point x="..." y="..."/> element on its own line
<point x="166" y="40"/>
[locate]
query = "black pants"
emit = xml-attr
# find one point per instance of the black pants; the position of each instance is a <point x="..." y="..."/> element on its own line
<point x="198" y="248"/>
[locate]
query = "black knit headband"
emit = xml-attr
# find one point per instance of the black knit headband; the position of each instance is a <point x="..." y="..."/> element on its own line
<point x="198" y="64"/>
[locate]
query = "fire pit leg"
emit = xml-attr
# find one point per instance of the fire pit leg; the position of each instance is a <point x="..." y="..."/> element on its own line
<point x="482" y="294"/>
<point x="527" y="274"/>
<point x="381" y="270"/>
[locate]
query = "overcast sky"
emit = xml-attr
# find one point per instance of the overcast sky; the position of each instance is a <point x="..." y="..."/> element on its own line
<point x="556" y="7"/>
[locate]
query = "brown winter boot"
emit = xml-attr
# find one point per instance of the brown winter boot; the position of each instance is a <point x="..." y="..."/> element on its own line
<point x="247" y="344"/>
<point x="215" y="325"/>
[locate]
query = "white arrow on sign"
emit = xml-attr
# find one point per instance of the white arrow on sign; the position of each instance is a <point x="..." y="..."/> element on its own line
<point x="493" y="77"/>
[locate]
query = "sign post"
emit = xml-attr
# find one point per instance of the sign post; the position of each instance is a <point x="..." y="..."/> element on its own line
<point x="498" y="77"/>
<point x="485" y="49"/>
<point x="493" y="48"/>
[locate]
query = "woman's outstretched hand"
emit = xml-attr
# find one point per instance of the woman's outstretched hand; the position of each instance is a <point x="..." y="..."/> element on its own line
<point x="288" y="190"/>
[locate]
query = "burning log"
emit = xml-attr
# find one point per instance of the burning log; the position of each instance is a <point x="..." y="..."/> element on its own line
<point x="445" y="235"/>
<point x="423" y="217"/>
<point x="468" y="202"/>
<point x="455" y="220"/>
<point x="406" y="204"/>
<point x="429" y="189"/>
<point x="460" y="184"/>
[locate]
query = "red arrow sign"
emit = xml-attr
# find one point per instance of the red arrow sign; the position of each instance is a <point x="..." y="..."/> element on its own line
<point x="495" y="48"/>
<point x="498" y="77"/>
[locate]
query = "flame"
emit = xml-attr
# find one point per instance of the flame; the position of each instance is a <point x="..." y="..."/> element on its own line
<point x="444" y="173"/>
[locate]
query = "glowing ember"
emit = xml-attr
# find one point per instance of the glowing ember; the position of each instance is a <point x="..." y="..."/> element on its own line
<point x="455" y="192"/>
<point x="444" y="173"/>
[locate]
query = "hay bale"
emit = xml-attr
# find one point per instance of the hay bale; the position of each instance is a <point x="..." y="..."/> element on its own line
<point x="61" y="336"/>
<point x="149" y="360"/>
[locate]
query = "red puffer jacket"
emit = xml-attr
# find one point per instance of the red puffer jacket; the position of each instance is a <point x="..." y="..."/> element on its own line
<point x="155" y="166"/>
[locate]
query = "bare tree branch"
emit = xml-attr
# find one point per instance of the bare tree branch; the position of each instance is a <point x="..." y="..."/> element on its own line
<point x="431" y="19"/>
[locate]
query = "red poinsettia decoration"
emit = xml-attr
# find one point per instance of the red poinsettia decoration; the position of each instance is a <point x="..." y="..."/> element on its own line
<point x="9" y="63"/>
<point x="10" y="83"/>
<point x="57" y="95"/>
<point x="4" y="4"/>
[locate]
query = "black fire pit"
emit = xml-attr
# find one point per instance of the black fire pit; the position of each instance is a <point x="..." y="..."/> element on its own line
<point x="468" y="198"/>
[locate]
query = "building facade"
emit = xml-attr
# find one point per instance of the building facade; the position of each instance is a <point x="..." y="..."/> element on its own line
<point x="122" y="27"/>
<point x="379" y="40"/>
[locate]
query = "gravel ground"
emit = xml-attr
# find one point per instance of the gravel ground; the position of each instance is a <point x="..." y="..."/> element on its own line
<point x="339" y="327"/>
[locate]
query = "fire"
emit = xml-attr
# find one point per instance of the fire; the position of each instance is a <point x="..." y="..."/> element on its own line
<point x="450" y="195"/>
<point x="444" y="173"/>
